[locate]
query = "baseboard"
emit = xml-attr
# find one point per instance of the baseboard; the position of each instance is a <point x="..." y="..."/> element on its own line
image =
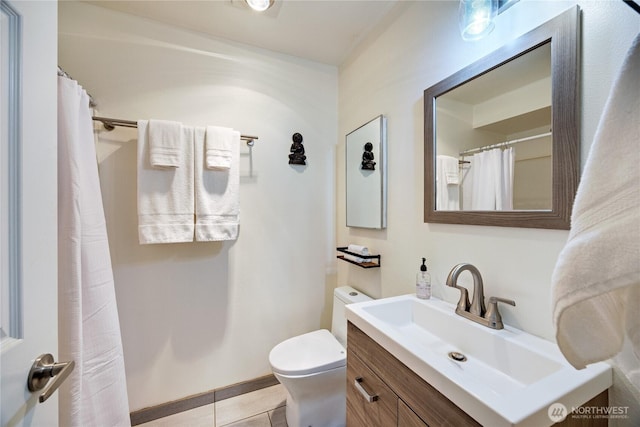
<point x="165" y="409"/>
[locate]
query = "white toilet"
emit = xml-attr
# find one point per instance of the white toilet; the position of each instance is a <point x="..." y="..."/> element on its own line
<point x="313" y="367"/>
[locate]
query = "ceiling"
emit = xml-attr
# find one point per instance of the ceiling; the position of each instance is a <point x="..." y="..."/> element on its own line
<point x="319" y="30"/>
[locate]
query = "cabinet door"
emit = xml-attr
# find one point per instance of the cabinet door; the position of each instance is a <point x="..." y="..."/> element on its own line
<point x="408" y="418"/>
<point x="370" y="403"/>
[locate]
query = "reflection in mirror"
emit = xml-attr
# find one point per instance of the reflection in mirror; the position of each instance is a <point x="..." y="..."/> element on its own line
<point x="493" y="139"/>
<point x="366" y="175"/>
<point x="501" y="135"/>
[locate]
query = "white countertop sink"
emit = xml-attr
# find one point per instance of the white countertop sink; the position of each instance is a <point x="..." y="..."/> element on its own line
<point x="510" y="377"/>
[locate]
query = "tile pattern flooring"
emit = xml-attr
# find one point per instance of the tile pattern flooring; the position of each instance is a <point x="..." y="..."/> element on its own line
<point x="261" y="408"/>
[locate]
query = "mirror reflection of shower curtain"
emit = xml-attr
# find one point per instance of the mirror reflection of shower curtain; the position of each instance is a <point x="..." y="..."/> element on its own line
<point x="490" y="179"/>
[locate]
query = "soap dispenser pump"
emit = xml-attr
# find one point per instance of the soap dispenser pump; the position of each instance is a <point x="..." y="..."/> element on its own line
<point x="423" y="282"/>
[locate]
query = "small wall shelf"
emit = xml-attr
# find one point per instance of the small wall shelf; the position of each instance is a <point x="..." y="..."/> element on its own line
<point x="372" y="261"/>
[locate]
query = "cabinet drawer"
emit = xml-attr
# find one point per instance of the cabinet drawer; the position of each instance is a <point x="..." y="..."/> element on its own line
<point x="408" y="418"/>
<point x="370" y="403"/>
<point x="427" y="402"/>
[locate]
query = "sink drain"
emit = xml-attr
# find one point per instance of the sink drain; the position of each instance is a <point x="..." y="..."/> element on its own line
<point x="458" y="357"/>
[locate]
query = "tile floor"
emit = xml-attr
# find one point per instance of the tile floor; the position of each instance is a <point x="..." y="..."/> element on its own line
<point x="261" y="408"/>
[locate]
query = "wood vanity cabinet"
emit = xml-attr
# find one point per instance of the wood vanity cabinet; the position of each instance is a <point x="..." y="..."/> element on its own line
<point x="404" y="399"/>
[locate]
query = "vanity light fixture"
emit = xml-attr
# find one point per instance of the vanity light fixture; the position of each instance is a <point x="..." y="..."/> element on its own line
<point x="475" y="18"/>
<point x="260" y="5"/>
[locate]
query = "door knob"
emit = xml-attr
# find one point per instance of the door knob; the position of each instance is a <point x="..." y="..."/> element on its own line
<point x="43" y="369"/>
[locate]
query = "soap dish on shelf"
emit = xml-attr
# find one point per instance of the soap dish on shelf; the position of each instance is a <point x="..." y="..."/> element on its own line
<point x="371" y="261"/>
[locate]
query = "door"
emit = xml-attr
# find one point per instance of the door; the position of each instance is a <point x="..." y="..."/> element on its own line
<point x="28" y="178"/>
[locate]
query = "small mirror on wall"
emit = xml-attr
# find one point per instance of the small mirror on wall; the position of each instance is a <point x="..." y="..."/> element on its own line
<point x="366" y="175"/>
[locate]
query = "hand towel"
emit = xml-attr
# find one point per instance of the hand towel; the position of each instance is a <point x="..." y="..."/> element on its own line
<point x="450" y="169"/>
<point x="596" y="279"/>
<point x="217" y="193"/>
<point x="218" y="145"/>
<point x="447" y="180"/>
<point x="165" y="144"/>
<point x="354" y="258"/>
<point x="358" y="249"/>
<point x="165" y="195"/>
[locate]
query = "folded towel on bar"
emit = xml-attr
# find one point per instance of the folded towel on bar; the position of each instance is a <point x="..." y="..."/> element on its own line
<point x="447" y="183"/>
<point x="360" y="250"/>
<point x="165" y="143"/>
<point x="165" y="195"/>
<point x="354" y="258"/>
<point x="217" y="198"/>
<point x="596" y="280"/>
<point x="218" y="145"/>
<point x="450" y="168"/>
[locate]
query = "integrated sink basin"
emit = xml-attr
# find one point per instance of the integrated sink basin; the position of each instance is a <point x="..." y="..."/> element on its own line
<point x="508" y="377"/>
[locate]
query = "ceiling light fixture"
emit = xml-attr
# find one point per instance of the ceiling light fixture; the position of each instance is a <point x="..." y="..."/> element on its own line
<point x="260" y="5"/>
<point x="475" y="18"/>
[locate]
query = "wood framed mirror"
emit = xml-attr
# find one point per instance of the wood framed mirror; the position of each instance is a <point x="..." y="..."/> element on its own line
<point x="517" y="108"/>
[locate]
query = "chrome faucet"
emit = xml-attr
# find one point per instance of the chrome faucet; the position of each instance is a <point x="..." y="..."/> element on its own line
<point x="476" y="311"/>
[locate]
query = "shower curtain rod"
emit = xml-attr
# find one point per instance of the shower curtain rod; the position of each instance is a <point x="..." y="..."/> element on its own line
<point x="63" y="73"/>
<point x="110" y="124"/>
<point x="504" y="144"/>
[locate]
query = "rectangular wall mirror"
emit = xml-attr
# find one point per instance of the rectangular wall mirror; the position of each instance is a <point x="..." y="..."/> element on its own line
<point x="501" y="136"/>
<point x="366" y="175"/>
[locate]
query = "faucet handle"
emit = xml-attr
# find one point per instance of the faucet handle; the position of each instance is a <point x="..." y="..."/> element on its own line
<point x="493" y="315"/>
<point x="463" y="302"/>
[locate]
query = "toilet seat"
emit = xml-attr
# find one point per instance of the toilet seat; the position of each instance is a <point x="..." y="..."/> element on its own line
<point x="306" y="354"/>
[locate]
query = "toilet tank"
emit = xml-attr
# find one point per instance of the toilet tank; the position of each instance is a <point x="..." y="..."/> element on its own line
<point x="341" y="297"/>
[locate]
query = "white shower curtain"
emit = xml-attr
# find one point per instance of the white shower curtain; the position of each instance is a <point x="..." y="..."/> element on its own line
<point x="88" y="327"/>
<point x="492" y="180"/>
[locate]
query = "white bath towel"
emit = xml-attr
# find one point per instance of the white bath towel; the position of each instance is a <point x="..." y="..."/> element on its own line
<point x="358" y="249"/>
<point x="165" y="195"/>
<point x="165" y="143"/>
<point x="596" y="281"/>
<point x="219" y="142"/>
<point x="447" y="184"/>
<point x="354" y="258"/>
<point x="450" y="169"/>
<point x="217" y="193"/>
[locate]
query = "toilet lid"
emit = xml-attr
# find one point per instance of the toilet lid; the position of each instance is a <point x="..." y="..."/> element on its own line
<point x="307" y="354"/>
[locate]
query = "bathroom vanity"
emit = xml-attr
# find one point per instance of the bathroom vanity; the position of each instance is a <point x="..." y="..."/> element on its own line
<point x="391" y="394"/>
<point x="413" y="362"/>
<point x="403" y="398"/>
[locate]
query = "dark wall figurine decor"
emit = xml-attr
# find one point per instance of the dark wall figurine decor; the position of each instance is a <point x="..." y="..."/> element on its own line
<point x="297" y="156"/>
<point x="367" y="158"/>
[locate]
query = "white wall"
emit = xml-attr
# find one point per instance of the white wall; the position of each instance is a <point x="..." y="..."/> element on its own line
<point x="199" y="316"/>
<point x="388" y="76"/>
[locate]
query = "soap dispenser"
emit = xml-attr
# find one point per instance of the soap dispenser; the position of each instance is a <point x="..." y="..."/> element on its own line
<point x="423" y="282"/>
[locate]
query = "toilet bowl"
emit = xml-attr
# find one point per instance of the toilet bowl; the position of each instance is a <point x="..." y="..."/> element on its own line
<point x="312" y="368"/>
